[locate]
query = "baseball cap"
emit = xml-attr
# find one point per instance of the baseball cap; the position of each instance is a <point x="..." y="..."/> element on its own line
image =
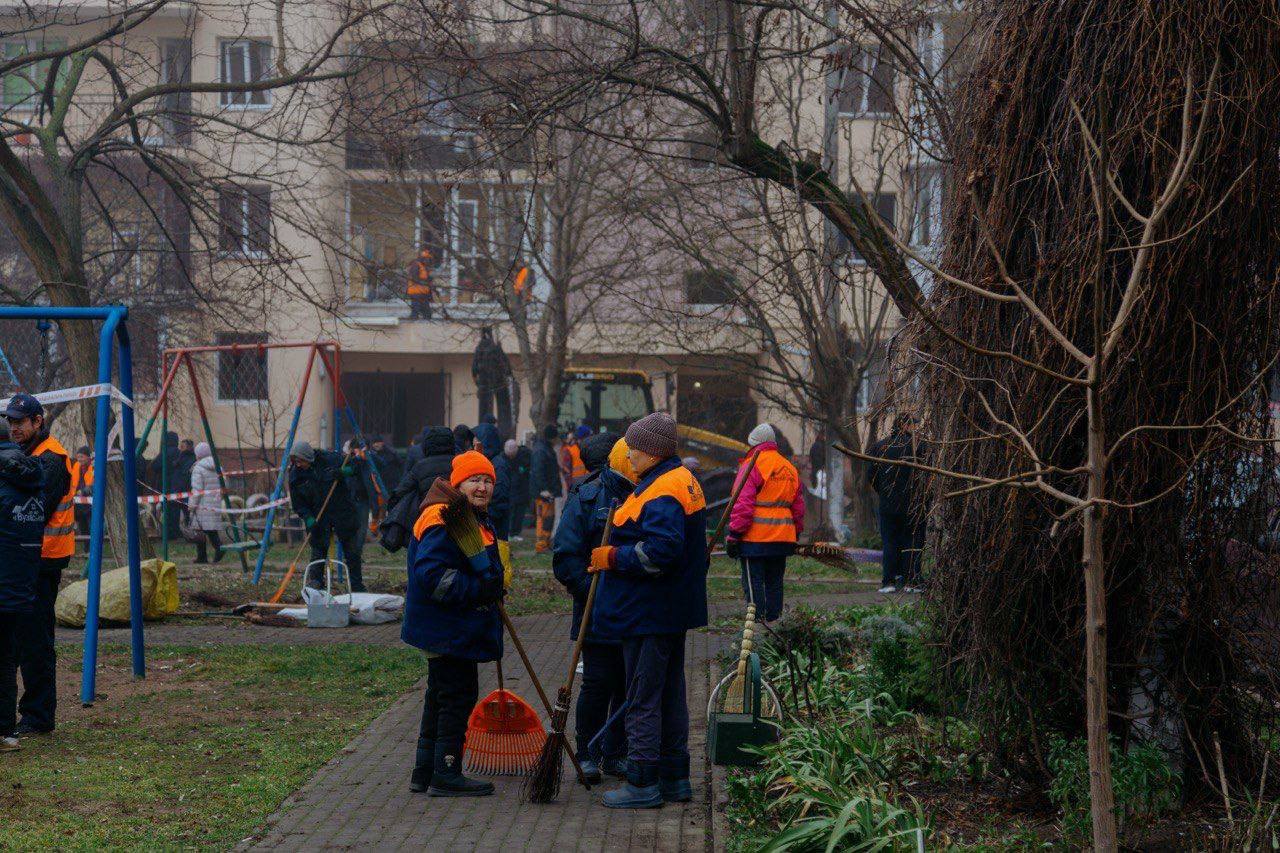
<point x="23" y="406"/>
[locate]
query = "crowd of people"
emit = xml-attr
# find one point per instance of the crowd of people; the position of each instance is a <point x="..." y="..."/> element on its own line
<point x="631" y="715"/>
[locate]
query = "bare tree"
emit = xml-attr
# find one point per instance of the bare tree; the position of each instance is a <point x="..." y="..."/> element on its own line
<point x="1037" y="356"/>
<point x="122" y="177"/>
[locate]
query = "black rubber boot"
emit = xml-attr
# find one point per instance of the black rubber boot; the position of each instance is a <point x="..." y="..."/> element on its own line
<point x="447" y="779"/>
<point x="423" y="764"/>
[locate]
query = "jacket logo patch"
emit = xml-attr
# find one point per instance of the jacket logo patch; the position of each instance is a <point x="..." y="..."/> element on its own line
<point x="32" y="510"/>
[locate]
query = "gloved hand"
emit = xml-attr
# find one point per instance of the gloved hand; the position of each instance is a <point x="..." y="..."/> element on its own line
<point x="545" y="495"/>
<point x="603" y="559"/>
<point x="347" y="470"/>
<point x="491" y="590"/>
<point x="308" y="522"/>
<point x="733" y="546"/>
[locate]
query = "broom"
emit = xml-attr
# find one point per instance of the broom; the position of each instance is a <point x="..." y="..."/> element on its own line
<point x="544" y="783"/>
<point x="830" y="554"/>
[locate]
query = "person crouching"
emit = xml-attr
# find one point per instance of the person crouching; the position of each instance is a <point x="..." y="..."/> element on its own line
<point x="450" y="614"/>
<point x="654" y="591"/>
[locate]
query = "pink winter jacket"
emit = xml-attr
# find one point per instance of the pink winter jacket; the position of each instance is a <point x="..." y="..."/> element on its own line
<point x="744" y="507"/>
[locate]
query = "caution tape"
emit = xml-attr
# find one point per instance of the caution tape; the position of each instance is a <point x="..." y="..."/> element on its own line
<point x="83" y="392"/>
<point x="155" y="499"/>
<point x="174" y="497"/>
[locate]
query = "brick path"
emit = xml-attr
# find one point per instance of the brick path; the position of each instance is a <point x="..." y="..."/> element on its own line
<point x="360" y="799"/>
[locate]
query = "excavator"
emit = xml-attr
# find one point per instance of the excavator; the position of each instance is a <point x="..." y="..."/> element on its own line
<point x="610" y="399"/>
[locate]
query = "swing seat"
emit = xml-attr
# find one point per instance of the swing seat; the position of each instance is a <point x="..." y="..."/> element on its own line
<point x="241" y="547"/>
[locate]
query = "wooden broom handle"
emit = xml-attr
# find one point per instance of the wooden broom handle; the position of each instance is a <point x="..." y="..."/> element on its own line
<point x="591" y="601"/>
<point x="733" y="499"/>
<point x="537" y="685"/>
<point x="747" y="633"/>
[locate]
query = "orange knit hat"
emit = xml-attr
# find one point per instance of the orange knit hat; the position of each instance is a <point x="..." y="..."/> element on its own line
<point x="469" y="464"/>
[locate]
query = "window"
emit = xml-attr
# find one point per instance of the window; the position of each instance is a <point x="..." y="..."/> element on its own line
<point x="886" y="204"/>
<point x="926" y="207"/>
<point x="709" y="287"/>
<point x="437" y="105"/>
<point x="242" y="374"/>
<point x="244" y="212"/>
<point x="865" y="79"/>
<point x="175" y="67"/>
<point x="704" y="149"/>
<point x="245" y="61"/>
<point x="21" y="87"/>
<point x="125" y="261"/>
<point x="433" y="230"/>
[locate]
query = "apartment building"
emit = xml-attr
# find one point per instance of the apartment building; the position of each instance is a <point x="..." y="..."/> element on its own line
<point x="356" y="212"/>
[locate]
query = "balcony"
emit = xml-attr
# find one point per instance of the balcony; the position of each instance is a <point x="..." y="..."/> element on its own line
<point x="473" y="236"/>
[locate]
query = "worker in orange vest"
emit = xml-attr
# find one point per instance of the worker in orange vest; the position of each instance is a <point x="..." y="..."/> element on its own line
<point x="37" y="657"/>
<point x="418" y="287"/>
<point x="575" y="470"/>
<point x="82" y="470"/>
<point x="765" y="521"/>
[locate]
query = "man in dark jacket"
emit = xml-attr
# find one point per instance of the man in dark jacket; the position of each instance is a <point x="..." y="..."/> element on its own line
<point x="362" y="488"/>
<point x="604" y="681"/>
<point x="486" y="432"/>
<point x="463" y="439"/>
<point x="521" y="460"/>
<point x="390" y="466"/>
<point x="653" y="593"/>
<point x="434" y="459"/>
<point x="37" y="654"/>
<point x="317" y="476"/>
<point x="544" y="483"/>
<point x="21" y="533"/>
<point x="902" y="525"/>
<point x="180" y="481"/>
<point x="500" y="503"/>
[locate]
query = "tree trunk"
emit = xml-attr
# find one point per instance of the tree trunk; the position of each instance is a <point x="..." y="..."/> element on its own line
<point x="835" y="490"/>
<point x="1095" y="638"/>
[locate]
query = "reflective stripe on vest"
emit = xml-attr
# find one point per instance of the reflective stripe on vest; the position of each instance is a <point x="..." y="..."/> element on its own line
<point x="678" y="483"/>
<point x="771" y="519"/>
<point x="60" y="532"/>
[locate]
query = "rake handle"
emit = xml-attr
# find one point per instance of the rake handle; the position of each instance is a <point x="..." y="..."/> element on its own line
<point x="537" y="685"/>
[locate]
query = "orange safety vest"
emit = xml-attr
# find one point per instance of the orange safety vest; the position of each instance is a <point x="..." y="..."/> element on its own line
<point x="420" y="285"/>
<point x="771" y="520"/>
<point x="60" y="532"/>
<point x="433" y="516"/>
<point x="579" y="467"/>
<point x="678" y="483"/>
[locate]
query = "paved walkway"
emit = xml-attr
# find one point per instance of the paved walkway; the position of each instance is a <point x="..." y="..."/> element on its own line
<point x="360" y="799"/>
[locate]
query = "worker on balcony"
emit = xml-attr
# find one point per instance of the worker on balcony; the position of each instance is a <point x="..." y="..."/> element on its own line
<point x="418" y="287"/>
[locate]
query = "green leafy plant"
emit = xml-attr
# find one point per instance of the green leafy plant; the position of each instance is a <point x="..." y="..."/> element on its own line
<point x="1144" y="785"/>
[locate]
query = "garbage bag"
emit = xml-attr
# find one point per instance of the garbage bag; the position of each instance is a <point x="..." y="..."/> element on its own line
<point x="159" y="596"/>
<point x="367" y="608"/>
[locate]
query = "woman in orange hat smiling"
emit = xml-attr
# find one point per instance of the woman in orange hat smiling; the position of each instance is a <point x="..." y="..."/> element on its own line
<point x="450" y="614"/>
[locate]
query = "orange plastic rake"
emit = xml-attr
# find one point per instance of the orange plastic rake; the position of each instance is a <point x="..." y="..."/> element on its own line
<point x="504" y="735"/>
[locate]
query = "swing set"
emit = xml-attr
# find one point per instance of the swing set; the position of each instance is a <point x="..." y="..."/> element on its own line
<point x="175" y="359"/>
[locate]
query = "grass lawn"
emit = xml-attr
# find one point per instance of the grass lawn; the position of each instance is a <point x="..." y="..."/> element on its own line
<point x="200" y="753"/>
<point x="218" y="587"/>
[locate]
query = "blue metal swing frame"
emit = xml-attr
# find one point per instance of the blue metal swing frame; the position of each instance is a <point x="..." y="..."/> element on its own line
<point x="113" y="327"/>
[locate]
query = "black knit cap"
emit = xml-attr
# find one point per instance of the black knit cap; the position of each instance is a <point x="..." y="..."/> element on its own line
<point x="595" y="453"/>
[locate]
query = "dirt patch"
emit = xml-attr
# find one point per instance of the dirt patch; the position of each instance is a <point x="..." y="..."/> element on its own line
<point x="115" y="682"/>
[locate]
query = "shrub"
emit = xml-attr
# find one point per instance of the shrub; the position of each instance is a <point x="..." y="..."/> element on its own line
<point x="902" y="665"/>
<point x="1145" y="787"/>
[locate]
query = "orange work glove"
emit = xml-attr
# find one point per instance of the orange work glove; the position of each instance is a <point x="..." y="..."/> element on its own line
<point x="603" y="559"/>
